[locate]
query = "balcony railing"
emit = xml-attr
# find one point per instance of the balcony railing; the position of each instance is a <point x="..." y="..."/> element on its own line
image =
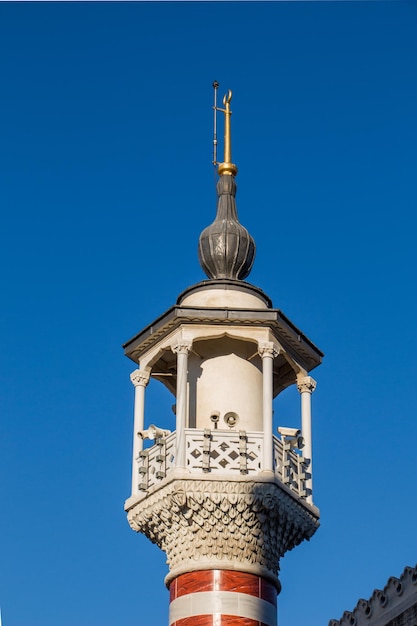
<point x="221" y="451"/>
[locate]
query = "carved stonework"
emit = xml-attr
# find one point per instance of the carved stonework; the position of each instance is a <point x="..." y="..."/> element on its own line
<point x="267" y="348"/>
<point x="182" y="347"/>
<point x="306" y="384"/>
<point x="246" y="525"/>
<point x="140" y="378"/>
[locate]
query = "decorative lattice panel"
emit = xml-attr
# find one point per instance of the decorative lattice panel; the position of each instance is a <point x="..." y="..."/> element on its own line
<point x="221" y="451"/>
<point x="224" y="451"/>
<point x="156" y="461"/>
<point x="290" y="466"/>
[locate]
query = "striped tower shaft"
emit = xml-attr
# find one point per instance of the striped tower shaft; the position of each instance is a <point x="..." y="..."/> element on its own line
<point x="222" y="598"/>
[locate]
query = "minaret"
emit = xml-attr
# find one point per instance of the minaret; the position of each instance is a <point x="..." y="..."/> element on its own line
<point x="221" y="494"/>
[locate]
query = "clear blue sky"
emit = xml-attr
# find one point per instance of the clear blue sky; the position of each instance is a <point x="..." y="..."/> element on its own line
<point x="106" y="183"/>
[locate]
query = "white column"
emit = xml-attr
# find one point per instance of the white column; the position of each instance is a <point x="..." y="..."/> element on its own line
<point x="181" y="349"/>
<point x="139" y="379"/>
<point x="306" y="386"/>
<point x="267" y="351"/>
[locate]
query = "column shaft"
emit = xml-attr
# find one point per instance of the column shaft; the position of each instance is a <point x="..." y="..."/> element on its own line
<point x="222" y="598"/>
<point x="181" y="408"/>
<point x="139" y="380"/>
<point x="267" y="352"/>
<point x="306" y="386"/>
<point x="306" y="423"/>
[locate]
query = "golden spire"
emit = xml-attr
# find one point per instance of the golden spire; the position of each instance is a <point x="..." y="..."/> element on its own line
<point x="227" y="167"/>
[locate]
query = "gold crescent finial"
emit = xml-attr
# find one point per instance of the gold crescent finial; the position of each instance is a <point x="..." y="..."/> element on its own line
<point x="227" y="98"/>
<point x="227" y="167"/>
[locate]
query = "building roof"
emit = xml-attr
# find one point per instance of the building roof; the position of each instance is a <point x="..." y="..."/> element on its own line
<point x="397" y="599"/>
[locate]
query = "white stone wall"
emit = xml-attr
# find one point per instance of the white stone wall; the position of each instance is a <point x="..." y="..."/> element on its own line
<point x="222" y="381"/>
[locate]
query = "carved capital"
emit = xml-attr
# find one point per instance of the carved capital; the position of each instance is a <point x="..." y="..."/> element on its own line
<point x="267" y="348"/>
<point x="236" y="525"/>
<point x="140" y="378"/>
<point x="182" y="347"/>
<point x="306" y="384"/>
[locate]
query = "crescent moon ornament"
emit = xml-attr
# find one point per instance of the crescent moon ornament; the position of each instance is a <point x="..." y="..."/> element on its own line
<point x="228" y="97"/>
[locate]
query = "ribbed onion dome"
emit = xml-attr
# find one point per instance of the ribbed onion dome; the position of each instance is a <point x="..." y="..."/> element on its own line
<point x="226" y="249"/>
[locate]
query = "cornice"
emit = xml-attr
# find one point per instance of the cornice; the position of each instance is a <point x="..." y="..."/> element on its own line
<point x="289" y="336"/>
<point x="398" y="596"/>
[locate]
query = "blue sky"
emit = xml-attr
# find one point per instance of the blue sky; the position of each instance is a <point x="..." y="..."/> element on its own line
<point x="106" y="183"/>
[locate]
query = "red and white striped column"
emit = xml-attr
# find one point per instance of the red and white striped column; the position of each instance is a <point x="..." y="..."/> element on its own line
<point x="222" y="598"/>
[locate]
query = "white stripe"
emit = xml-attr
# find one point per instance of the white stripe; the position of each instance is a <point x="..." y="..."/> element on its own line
<point x="225" y="603"/>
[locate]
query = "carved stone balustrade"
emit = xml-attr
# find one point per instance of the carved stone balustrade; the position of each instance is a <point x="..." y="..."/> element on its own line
<point x="221" y="452"/>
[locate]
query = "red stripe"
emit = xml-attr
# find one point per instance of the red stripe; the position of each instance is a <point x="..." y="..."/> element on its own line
<point x="199" y="620"/>
<point x="226" y="620"/>
<point x="223" y="580"/>
<point x="192" y="582"/>
<point x="232" y="620"/>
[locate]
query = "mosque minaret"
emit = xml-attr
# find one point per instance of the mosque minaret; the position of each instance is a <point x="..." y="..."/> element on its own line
<point x="222" y="495"/>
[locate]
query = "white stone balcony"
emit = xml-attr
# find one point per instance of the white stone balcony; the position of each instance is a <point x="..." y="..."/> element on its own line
<point x="222" y="452"/>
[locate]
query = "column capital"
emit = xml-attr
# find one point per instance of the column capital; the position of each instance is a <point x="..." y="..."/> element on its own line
<point x="183" y="346"/>
<point x="267" y="348"/>
<point x="306" y="384"/>
<point x="140" y="378"/>
<point x="180" y="505"/>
